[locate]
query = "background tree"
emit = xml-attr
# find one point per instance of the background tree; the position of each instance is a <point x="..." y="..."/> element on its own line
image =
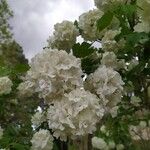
<point x="5" y="15"/>
<point x="15" y="112"/>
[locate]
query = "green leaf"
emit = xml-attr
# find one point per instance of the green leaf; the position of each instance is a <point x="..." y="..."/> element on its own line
<point x="72" y="147"/>
<point x="17" y="146"/>
<point x="21" y="68"/>
<point x="89" y="65"/>
<point x="105" y="20"/>
<point x="136" y="37"/>
<point x="128" y="10"/>
<point x="4" y="71"/>
<point x="82" y="50"/>
<point x="136" y="70"/>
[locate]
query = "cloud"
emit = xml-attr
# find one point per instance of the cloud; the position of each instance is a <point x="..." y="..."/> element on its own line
<point x="34" y="20"/>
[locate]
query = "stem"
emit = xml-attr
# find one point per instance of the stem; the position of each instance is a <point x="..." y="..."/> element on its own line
<point x="81" y="143"/>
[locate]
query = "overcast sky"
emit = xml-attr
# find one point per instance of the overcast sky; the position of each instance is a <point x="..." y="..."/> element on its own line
<point x="33" y="20"/>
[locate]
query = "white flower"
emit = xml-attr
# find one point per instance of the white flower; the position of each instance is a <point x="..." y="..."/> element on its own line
<point x="140" y="132"/>
<point x="119" y="147"/>
<point x="145" y="11"/>
<point x="42" y="140"/>
<point x="52" y="72"/>
<point x="107" y="84"/>
<point x="99" y="143"/>
<point x="76" y="114"/>
<point x="103" y="129"/>
<point x="5" y="85"/>
<point x="114" y="111"/>
<point x="64" y="36"/>
<point x="109" y="59"/>
<point x="1" y="132"/>
<point x="142" y="27"/>
<point x="88" y="25"/>
<point x="133" y="63"/>
<point x="111" y="144"/>
<point x="37" y="119"/>
<point x="135" y="101"/>
<point x="134" y="132"/>
<point x="106" y="4"/>
<point x="143" y="124"/>
<point x="109" y="43"/>
<point x="26" y="88"/>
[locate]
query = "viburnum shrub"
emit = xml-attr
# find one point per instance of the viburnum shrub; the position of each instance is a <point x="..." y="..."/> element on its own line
<point x="94" y="94"/>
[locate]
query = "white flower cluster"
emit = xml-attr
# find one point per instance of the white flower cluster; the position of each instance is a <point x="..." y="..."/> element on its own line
<point x="145" y="11"/>
<point x="133" y="63"/>
<point x="109" y="59"/>
<point x="135" y="100"/>
<point x="88" y="25"/>
<point x="51" y="74"/>
<point x="76" y="114"/>
<point x="5" y="85"/>
<point x="141" y="131"/>
<point x="107" y="84"/>
<point x="109" y="43"/>
<point x="42" y="140"/>
<point x="101" y="144"/>
<point x="56" y="76"/>
<point x="142" y="27"/>
<point x="37" y="119"/>
<point x="106" y="4"/>
<point x="64" y="36"/>
<point x="1" y="132"/>
<point x="144" y="14"/>
<point x="26" y="88"/>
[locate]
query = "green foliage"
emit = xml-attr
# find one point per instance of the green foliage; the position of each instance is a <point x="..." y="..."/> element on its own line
<point x="82" y="50"/>
<point x="105" y="20"/>
<point x="12" y="54"/>
<point x="88" y="55"/>
<point x="5" y="14"/>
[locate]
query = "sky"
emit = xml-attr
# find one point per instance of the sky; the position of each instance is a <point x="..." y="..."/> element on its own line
<point x="33" y="20"/>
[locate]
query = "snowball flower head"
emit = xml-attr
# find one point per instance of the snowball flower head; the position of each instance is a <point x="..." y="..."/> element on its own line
<point x="107" y="4"/>
<point x="42" y="140"/>
<point x="88" y="24"/>
<point x="145" y="11"/>
<point x="76" y="114"/>
<point x="133" y="63"/>
<point x="26" y="88"/>
<point x="111" y="144"/>
<point x="52" y="72"/>
<point x="140" y="131"/>
<point x="64" y="36"/>
<point x="142" y="27"/>
<point x="5" y="85"/>
<point x="109" y="59"/>
<point x="99" y="143"/>
<point x="135" y="100"/>
<point x="119" y="147"/>
<point x="109" y="43"/>
<point x="37" y="119"/>
<point x="107" y="84"/>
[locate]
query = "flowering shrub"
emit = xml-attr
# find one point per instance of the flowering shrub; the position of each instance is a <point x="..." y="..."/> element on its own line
<point x="93" y="97"/>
